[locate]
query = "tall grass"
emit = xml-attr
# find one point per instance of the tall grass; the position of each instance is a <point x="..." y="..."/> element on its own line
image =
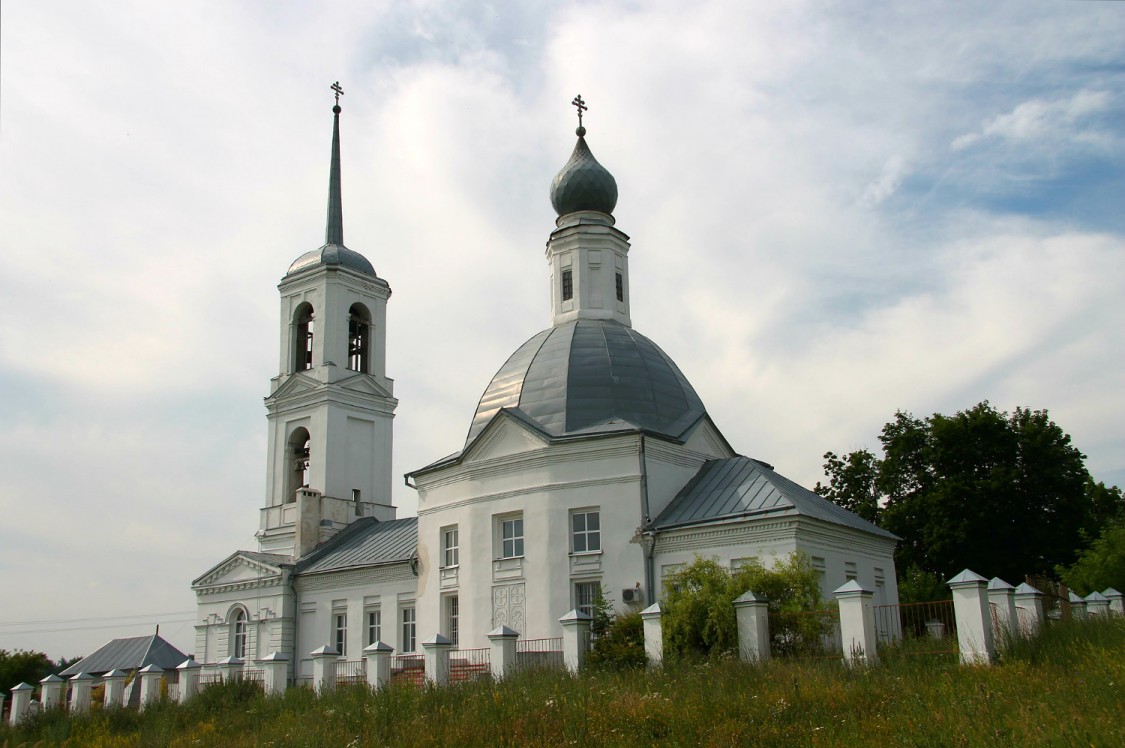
<point x="1064" y="688"/>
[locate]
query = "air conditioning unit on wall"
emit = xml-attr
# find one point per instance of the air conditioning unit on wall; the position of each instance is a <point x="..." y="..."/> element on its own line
<point x="633" y="596"/>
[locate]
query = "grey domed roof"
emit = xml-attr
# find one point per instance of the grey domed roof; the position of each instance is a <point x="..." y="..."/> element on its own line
<point x="592" y="376"/>
<point x="583" y="183"/>
<point x="332" y="254"/>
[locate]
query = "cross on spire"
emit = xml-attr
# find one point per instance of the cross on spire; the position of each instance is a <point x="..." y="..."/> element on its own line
<point x="339" y="91"/>
<point x="581" y="105"/>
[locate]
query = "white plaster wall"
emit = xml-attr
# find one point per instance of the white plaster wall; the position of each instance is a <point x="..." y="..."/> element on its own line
<point x="388" y="588"/>
<point x="544" y="484"/>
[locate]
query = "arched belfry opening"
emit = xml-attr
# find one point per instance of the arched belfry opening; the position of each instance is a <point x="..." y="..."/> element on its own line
<point x="359" y="338"/>
<point x="298" y="452"/>
<point x="304" y="329"/>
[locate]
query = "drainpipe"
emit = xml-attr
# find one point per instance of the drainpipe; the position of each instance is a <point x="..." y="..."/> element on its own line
<point x="648" y="539"/>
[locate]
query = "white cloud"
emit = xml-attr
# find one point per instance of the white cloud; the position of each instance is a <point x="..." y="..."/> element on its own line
<point x="1042" y="120"/>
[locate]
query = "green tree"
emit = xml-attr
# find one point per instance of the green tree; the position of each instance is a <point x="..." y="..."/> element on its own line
<point x="852" y="482"/>
<point x="1002" y="494"/>
<point x="698" y="605"/>
<point x="1101" y="565"/>
<point x="23" y="667"/>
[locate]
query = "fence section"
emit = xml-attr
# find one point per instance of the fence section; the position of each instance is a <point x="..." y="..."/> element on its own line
<point x="539" y="653"/>
<point x="916" y="628"/>
<point x="469" y="664"/>
<point x="351" y="672"/>
<point x="806" y="633"/>
<point x="408" y="668"/>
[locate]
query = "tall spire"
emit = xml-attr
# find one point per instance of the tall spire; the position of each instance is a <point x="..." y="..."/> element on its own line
<point x="334" y="232"/>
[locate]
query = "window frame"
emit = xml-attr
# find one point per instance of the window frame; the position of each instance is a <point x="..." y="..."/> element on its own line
<point x="409" y="632"/>
<point x="584" y="588"/>
<point x="586" y="534"/>
<point x="374" y="625"/>
<point x="240" y="634"/>
<point x="450" y="552"/>
<point x="516" y="540"/>
<point x="567" y="284"/>
<point x="340" y="631"/>
<point x="453" y="618"/>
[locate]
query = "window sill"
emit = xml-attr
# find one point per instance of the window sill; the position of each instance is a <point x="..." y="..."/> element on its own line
<point x="586" y="553"/>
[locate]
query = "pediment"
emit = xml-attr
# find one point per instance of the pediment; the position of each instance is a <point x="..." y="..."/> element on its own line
<point x="297" y="384"/>
<point x="706" y="439"/>
<point x="504" y="436"/>
<point x="239" y="569"/>
<point x="364" y="384"/>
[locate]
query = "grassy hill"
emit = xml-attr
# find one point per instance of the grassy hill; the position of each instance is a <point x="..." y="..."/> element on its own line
<point x="1067" y="688"/>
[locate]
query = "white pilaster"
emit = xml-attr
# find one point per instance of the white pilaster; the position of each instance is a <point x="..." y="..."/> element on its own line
<point x="378" y="656"/>
<point x="21" y="700"/>
<point x="189" y="671"/>
<point x="275" y="671"/>
<point x="80" y="688"/>
<point x="52" y="690"/>
<point x="114" y="688"/>
<point x="1097" y="604"/>
<point x="576" y="638"/>
<point x="857" y="623"/>
<point x="651" y="621"/>
<point x="752" y="615"/>
<point x="1002" y="602"/>
<point x="324" y="668"/>
<point x="1029" y="607"/>
<point x="436" y="653"/>
<point x="503" y="655"/>
<point x="151" y="677"/>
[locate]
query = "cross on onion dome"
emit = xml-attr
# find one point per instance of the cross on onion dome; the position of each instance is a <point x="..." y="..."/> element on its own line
<point x="581" y="105"/>
<point x="339" y="91"/>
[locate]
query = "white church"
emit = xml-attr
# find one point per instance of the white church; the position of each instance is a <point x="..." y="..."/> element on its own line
<point x="590" y="463"/>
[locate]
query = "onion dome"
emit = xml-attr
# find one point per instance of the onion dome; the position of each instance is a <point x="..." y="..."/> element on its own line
<point x="583" y="183"/>
<point x="588" y="377"/>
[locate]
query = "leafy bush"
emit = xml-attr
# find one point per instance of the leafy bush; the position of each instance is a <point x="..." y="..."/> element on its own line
<point x="620" y="645"/>
<point x="1101" y="565"/>
<point x="699" y="617"/>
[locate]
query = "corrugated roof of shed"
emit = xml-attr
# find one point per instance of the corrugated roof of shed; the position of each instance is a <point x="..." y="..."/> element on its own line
<point x="365" y="542"/>
<point x="128" y="654"/>
<point x="739" y="486"/>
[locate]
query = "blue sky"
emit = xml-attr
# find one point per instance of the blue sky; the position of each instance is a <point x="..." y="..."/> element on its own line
<point x="837" y="210"/>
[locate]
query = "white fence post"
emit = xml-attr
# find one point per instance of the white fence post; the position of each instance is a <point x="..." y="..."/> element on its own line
<point x="324" y="668"/>
<point x="1002" y="602"/>
<point x="114" y="688"/>
<point x="974" y="620"/>
<point x="436" y="653"/>
<point x="1077" y="607"/>
<point x="189" y="678"/>
<point x="80" y="687"/>
<point x="1116" y="601"/>
<point x="653" y="627"/>
<point x="503" y="655"/>
<point x="230" y="668"/>
<point x="752" y="615"/>
<point x="52" y="691"/>
<point x="1097" y="604"/>
<point x="378" y="656"/>
<point x="150" y="676"/>
<point x="857" y="623"/>
<point x="21" y="700"/>
<point x="576" y="638"/>
<point x="1029" y="603"/>
<point x="275" y="672"/>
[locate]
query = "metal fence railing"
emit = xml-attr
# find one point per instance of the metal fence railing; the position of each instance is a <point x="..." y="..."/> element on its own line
<point x="916" y="628"/>
<point x="539" y="653"/>
<point x="469" y="664"/>
<point x="408" y="668"/>
<point x="351" y="672"/>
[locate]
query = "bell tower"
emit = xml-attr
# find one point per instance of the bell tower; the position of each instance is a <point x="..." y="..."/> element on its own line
<point x="331" y="405"/>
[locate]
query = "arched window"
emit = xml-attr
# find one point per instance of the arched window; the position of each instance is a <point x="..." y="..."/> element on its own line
<point x="239" y="634"/>
<point x="359" y="338"/>
<point x="298" y="453"/>
<point x="303" y="339"/>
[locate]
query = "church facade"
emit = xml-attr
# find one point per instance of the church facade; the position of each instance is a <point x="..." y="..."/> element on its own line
<point x="590" y="464"/>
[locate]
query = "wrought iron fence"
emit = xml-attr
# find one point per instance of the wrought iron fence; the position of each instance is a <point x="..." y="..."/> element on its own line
<point x="469" y="664"/>
<point x="408" y="668"/>
<point x="916" y="628"/>
<point x="351" y="672"/>
<point x="806" y="633"/>
<point x="539" y="653"/>
<point x="254" y="675"/>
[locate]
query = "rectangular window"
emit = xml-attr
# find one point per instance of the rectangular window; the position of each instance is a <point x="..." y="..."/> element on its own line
<point x="620" y="288"/>
<point x="409" y="630"/>
<point x="341" y="638"/>
<point x="450" y="551"/>
<point x="850" y="571"/>
<point x="452" y="618"/>
<point x="567" y="285"/>
<point x="585" y="593"/>
<point x="511" y="537"/>
<point x="374" y="626"/>
<point x="586" y="533"/>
